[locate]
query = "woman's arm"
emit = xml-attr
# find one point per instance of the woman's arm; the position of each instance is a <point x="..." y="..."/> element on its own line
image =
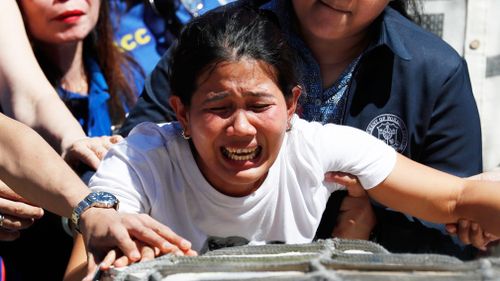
<point x="356" y="222"/>
<point x="435" y="196"/>
<point x="26" y="95"/>
<point x="77" y="265"/>
<point x="480" y="201"/>
<point x="37" y="173"/>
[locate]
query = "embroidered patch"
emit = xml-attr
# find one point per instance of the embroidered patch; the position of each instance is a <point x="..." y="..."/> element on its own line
<point x="391" y="129"/>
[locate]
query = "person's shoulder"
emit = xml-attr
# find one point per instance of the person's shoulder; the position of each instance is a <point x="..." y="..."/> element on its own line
<point x="315" y="132"/>
<point x="421" y="44"/>
<point x="316" y="135"/>
<point x="303" y="127"/>
<point x="148" y="136"/>
<point x="307" y="128"/>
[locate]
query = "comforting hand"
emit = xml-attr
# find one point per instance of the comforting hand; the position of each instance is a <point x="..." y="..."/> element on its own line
<point x="104" y="230"/>
<point x="16" y="213"/>
<point x="356" y="218"/>
<point x="89" y="151"/>
<point x="471" y="233"/>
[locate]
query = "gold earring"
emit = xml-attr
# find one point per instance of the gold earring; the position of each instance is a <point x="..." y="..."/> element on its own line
<point x="185" y="136"/>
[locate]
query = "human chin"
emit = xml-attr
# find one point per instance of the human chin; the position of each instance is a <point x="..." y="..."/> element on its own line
<point x="79" y="32"/>
<point x="243" y="182"/>
<point x="64" y="35"/>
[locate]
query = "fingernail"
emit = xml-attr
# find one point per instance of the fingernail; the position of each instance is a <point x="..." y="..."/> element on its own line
<point x="475" y="227"/>
<point x="178" y="253"/>
<point x="463" y="223"/>
<point x="166" y="246"/>
<point x="102" y="266"/>
<point x="135" y="255"/>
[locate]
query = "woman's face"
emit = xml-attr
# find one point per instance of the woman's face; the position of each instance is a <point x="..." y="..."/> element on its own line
<point x="336" y="19"/>
<point x="237" y="120"/>
<point x="60" y="21"/>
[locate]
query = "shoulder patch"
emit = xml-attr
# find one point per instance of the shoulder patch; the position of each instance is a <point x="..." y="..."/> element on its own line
<point x="391" y="129"/>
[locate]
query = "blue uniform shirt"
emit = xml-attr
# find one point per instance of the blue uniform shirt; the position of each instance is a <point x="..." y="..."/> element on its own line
<point x="91" y="111"/>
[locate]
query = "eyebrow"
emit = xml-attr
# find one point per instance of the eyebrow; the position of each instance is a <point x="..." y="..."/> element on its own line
<point x="213" y="96"/>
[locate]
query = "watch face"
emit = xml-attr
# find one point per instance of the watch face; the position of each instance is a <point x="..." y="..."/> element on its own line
<point x="102" y="199"/>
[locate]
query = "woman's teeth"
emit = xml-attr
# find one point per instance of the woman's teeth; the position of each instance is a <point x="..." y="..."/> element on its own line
<point x="240" y="154"/>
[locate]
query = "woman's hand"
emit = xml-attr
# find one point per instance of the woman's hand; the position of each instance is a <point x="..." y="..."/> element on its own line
<point x="105" y="230"/>
<point x="89" y="151"/>
<point x="16" y="213"/>
<point x="147" y="253"/>
<point x="356" y="218"/>
<point x="470" y="232"/>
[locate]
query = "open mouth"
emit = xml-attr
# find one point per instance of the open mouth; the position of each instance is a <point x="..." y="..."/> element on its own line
<point x="241" y="154"/>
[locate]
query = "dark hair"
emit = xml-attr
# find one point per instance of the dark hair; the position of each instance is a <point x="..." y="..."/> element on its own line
<point x="231" y="33"/>
<point x="166" y="9"/>
<point x="115" y="65"/>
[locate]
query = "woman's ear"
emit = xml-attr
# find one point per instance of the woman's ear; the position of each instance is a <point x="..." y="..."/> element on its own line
<point x="181" y="112"/>
<point x="292" y="102"/>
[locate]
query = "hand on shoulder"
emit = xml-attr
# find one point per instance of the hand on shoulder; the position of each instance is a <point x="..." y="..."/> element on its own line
<point x="89" y="151"/>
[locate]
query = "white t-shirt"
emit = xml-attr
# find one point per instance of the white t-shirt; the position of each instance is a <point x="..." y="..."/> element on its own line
<point x="153" y="171"/>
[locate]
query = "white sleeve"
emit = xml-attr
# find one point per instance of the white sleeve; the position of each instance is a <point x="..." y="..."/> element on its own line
<point x="350" y="150"/>
<point x="124" y="173"/>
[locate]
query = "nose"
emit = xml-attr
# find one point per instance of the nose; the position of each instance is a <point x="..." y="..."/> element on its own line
<point x="241" y="125"/>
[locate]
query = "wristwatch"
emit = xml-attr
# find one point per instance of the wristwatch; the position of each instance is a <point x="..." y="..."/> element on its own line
<point x="97" y="199"/>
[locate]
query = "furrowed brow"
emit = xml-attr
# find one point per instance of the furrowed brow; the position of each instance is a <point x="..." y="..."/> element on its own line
<point x="258" y="95"/>
<point x="212" y="97"/>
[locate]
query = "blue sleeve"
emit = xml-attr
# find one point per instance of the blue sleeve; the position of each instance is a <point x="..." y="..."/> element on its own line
<point x="453" y="139"/>
<point x="152" y="105"/>
<point x="451" y="143"/>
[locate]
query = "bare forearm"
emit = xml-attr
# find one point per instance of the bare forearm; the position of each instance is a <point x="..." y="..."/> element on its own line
<point x="479" y="201"/>
<point x="38" y="173"/>
<point x="439" y="197"/>
<point x="56" y="124"/>
<point x="25" y="93"/>
<point x="420" y="191"/>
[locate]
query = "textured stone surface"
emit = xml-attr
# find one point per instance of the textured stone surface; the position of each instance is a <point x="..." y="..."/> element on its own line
<point x="333" y="259"/>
